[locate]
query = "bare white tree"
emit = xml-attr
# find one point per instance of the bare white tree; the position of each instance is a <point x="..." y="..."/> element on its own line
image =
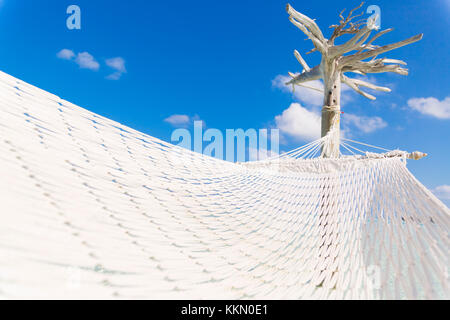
<point x="351" y="56"/>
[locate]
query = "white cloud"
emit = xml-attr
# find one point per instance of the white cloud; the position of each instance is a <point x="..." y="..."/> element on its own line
<point x="114" y="76"/>
<point x="299" y="123"/>
<point x="305" y="95"/>
<point x="87" y="61"/>
<point x="431" y="106"/>
<point x="117" y="64"/>
<point x="442" y="192"/>
<point x="83" y="59"/>
<point x="304" y="123"/>
<point x="65" y="54"/>
<point x="178" y="119"/>
<point x="363" y="123"/>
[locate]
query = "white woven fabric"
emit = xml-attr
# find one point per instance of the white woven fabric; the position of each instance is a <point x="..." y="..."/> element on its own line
<point x="93" y="209"/>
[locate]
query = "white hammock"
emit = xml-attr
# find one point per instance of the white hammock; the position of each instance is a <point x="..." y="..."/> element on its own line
<point x="93" y="209"/>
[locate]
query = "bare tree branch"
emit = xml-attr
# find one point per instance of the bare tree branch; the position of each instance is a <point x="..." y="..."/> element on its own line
<point x="351" y="83"/>
<point x="313" y="74"/>
<point x="377" y="66"/>
<point x="307" y="22"/>
<point x="351" y="44"/>
<point x="293" y="75"/>
<point x="364" y="39"/>
<point x="353" y="10"/>
<point x="356" y="71"/>
<point x="361" y="83"/>
<point x="301" y="60"/>
<point x="394" y="61"/>
<point x="310" y="87"/>
<point x="317" y="43"/>
<point x="379" y="34"/>
<point x="339" y="30"/>
<point x="367" y="54"/>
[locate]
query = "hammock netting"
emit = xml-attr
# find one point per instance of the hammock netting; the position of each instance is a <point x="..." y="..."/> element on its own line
<point x="93" y="209"/>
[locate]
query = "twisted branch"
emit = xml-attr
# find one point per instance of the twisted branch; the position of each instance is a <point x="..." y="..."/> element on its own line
<point x="340" y="30"/>
<point x="371" y="53"/>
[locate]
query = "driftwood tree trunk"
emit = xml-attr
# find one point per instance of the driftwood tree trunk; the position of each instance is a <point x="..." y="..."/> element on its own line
<point x="331" y="110"/>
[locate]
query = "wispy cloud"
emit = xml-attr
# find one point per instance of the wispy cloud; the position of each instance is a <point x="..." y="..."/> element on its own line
<point x="87" y="61"/>
<point x="363" y="123"/>
<point x="118" y="64"/>
<point x="178" y="120"/>
<point x="431" y="107"/>
<point x="65" y="54"/>
<point x="183" y="120"/>
<point x="84" y="59"/>
<point x="442" y="192"/>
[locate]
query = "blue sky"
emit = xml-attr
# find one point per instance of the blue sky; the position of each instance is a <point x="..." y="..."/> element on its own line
<point x="140" y="62"/>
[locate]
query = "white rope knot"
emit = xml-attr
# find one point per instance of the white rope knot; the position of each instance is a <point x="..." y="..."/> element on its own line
<point x="335" y="118"/>
<point x="335" y="108"/>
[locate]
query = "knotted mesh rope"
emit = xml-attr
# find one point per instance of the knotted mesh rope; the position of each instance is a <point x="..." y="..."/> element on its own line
<point x="93" y="209"/>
